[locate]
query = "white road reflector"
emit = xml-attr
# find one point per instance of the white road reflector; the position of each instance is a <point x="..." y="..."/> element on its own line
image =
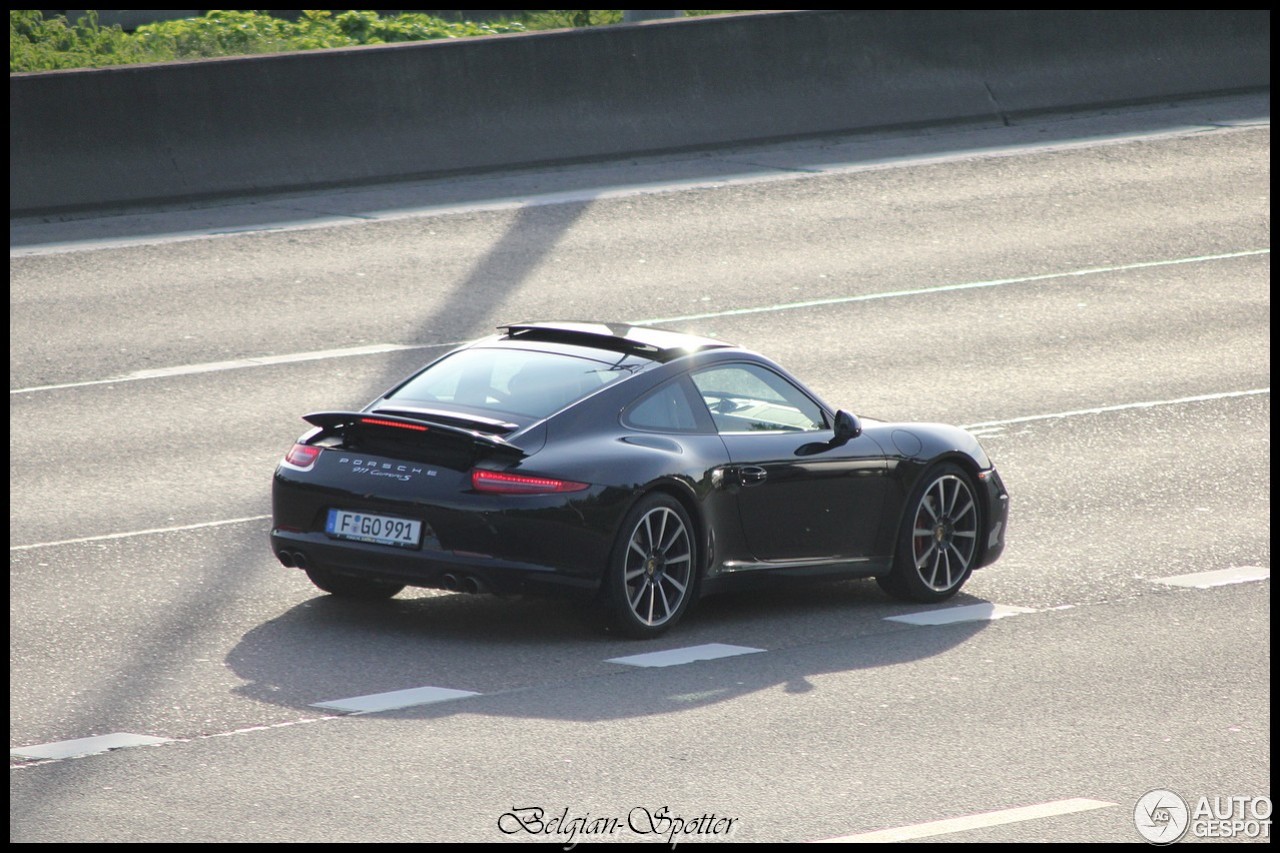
<point x="689" y="654"/>
<point x="965" y="613"/>
<point x="86" y="746"/>
<point x="977" y="821"/>
<point x="393" y="700"/>
<point x="1221" y="577"/>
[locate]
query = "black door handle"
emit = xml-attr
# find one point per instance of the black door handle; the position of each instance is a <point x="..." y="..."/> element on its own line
<point x="752" y="475"/>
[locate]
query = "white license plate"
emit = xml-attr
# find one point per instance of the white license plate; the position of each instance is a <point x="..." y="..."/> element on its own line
<point x="379" y="529"/>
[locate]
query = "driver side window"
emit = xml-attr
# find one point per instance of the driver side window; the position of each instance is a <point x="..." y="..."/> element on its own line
<point x="749" y="398"/>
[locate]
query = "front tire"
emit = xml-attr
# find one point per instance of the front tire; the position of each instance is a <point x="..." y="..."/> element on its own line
<point x="347" y="586"/>
<point x="938" y="543"/>
<point x="652" y="574"/>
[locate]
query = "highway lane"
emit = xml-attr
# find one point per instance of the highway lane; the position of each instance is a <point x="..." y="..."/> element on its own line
<point x="449" y="278"/>
<point x="198" y="632"/>
<point x="201" y="631"/>
<point x="72" y="484"/>
<point x="958" y="356"/>
<point x="804" y="743"/>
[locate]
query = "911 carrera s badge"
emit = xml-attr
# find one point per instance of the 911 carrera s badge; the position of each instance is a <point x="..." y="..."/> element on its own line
<point x="393" y="470"/>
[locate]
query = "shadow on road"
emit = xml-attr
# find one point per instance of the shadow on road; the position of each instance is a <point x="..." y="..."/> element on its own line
<point x="490" y="645"/>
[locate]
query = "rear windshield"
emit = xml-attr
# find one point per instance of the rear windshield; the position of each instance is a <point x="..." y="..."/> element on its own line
<point x="513" y="381"/>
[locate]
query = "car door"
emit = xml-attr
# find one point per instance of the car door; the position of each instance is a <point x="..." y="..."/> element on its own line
<point x="801" y="495"/>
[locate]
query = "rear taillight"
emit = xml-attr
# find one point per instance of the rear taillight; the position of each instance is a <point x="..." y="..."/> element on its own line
<point x="302" y="456"/>
<point x="502" y="483"/>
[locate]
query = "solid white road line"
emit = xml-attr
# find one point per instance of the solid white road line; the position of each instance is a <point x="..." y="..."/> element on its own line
<point x="66" y="749"/>
<point x="85" y="746"/>
<point x="977" y="821"/>
<point x="1199" y="398"/>
<point x="393" y="700"/>
<point x="377" y="349"/>
<point x="130" y="533"/>
<point x="973" y="285"/>
<point x="965" y="613"/>
<point x="741" y="167"/>
<point x="237" y="364"/>
<point x="689" y="654"/>
<point x="988" y="425"/>
<point x="1221" y="577"/>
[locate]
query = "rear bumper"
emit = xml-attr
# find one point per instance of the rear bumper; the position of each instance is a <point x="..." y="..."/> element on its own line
<point x="425" y="567"/>
<point x="505" y="543"/>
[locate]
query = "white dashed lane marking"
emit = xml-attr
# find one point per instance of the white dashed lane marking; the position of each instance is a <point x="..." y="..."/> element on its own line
<point x="393" y="700"/>
<point x="977" y="821"/>
<point x="965" y="613"/>
<point x="85" y="746"/>
<point x="689" y="654"/>
<point x="1221" y="577"/>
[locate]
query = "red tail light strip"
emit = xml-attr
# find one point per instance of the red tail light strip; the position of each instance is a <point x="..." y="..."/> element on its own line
<point x="397" y="424"/>
<point x="501" y="483"/>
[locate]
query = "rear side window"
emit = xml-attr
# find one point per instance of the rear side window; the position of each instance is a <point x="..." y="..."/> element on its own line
<point x="665" y="410"/>
<point x="515" y="381"/>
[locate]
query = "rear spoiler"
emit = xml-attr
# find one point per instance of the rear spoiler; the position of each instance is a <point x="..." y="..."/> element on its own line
<point x="332" y="423"/>
<point x="658" y="344"/>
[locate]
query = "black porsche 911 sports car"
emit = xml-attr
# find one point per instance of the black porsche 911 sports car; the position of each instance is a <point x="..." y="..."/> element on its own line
<point x="636" y="466"/>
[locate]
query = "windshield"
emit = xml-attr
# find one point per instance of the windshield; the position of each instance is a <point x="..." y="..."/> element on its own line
<point x="513" y="381"/>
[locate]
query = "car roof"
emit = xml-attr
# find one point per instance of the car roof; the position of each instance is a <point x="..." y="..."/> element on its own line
<point x="660" y="345"/>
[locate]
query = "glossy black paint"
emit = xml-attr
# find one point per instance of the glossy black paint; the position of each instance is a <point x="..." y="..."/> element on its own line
<point x="827" y="502"/>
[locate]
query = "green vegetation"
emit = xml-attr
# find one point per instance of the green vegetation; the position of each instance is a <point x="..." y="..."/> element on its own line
<point x="40" y="44"/>
<point x="37" y="44"/>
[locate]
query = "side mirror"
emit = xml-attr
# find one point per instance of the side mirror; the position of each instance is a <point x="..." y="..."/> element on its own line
<point x="847" y="426"/>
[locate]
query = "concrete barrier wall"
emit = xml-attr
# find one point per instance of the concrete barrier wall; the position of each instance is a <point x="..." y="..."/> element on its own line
<point x="140" y="134"/>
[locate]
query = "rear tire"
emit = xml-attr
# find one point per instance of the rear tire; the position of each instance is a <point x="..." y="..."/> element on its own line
<point x="653" y="571"/>
<point x="938" y="543"/>
<point x="347" y="586"/>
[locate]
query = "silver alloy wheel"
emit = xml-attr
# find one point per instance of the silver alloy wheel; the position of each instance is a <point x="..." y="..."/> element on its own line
<point x="658" y="566"/>
<point x="944" y="536"/>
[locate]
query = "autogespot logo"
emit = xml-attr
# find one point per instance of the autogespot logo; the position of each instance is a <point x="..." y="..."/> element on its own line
<point x="1161" y="816"/>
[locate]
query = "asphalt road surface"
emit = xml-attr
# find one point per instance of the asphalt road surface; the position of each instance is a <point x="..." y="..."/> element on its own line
<point x="1089" y="293"/>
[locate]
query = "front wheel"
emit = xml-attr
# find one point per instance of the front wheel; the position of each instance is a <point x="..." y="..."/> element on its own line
<point x="938" y="543"/>
<point x="653" y="569"/>
<point x="348" y="586"/>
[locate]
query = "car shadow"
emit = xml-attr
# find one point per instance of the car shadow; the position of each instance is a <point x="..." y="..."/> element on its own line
<point x="327" y="649"/>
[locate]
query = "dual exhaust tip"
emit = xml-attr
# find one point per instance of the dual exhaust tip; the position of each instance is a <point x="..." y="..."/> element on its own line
<point x="293" y="559"/>
<point x="464" y="583"/>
